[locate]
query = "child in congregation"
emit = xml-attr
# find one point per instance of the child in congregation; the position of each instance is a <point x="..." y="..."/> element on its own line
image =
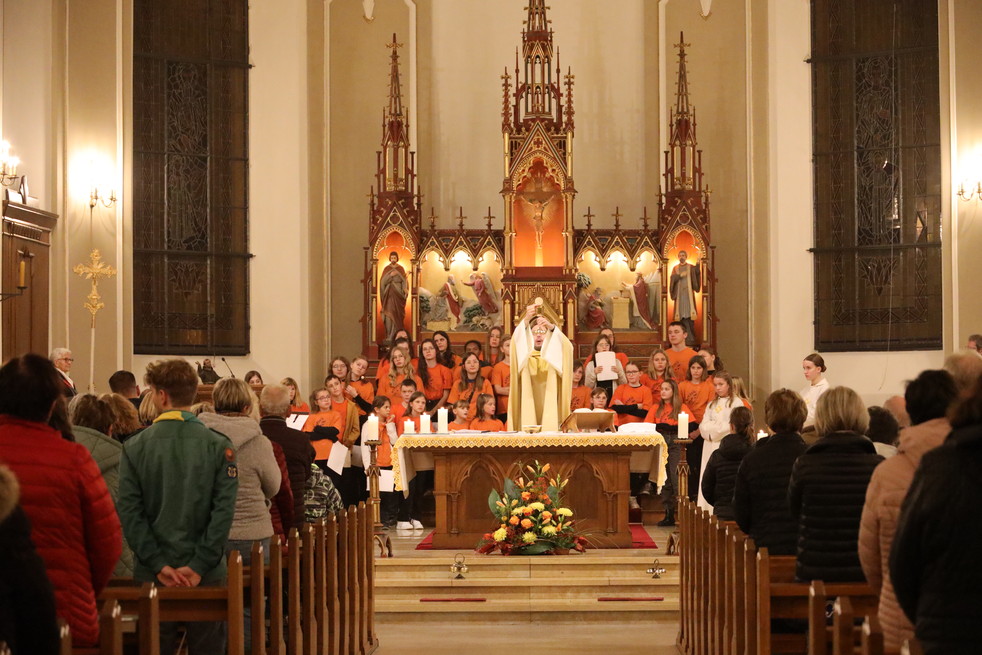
<point x="485" y="420"/>
<point x="472" y="383"/>
<point x="658" y="371"/>
<point x="719" y="478"/>
<point x="359" y="390"/>
<point x="399" y="409"/>
<point x="460" y="421"/>
<point x="598" y="399"/>
<point x="325" y="425"/>
<point x="501" y="380"/>
<point x="580" y="393"/>
<point x="387" y="435"/>
<point x="417" y="407"/>
<point x="697" y="391"/>
<point x="297" y="405"/>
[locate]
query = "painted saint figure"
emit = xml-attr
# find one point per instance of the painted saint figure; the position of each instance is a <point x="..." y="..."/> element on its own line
<point x="541" y="365"/>
<point x="485" y="292"/>
<point x="684" y="284"/>
<point x="644" y="296"/>
<point x="393" y="288"/>
<point x="449" y="293"/>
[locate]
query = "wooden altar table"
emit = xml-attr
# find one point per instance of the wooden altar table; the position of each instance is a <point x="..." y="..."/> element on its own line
<point x="468" y="466"/>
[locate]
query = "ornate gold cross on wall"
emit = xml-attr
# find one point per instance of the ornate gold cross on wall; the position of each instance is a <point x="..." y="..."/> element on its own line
<point x="95" y="270"/>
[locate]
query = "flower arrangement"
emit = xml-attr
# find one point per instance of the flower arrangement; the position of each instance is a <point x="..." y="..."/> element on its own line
<point x="532" y="515"/>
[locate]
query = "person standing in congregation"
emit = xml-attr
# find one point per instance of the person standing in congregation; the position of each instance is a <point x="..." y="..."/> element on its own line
<point x="579" y="392"/>
<point x="297" y="404"/>
<point x="471" y="384"/>
<point x="274" y="407"/>
<point x="74" y="526"/>
<point x="696" y="391"/>
<point x="360" y="390"/>
<point x="501" y="380"/>
<point x="495" y="352"/>
<point x="657" y="372"/>
<point x="484" y="420"/>
<point x="664" y="413"/>
<point x="541" y="367"/>
<point x="436" y="378"/>
<point x="719" y="477"/>
<point x="63" y="360"/>
<point x="351" y="484"/>
<point x="814" y="369"/>
<point x="631" y="401"/>
<point x="760" y="492"/>
<point x="178" y="484"/>
<point x="593" y="371"/>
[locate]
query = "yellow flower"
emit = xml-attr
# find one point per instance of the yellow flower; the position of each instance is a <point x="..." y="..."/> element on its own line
<point x="545" y="469"/>
<point x="500" y="534"/>
<point x="537" y="506"/>
<point x="564" y="511"/>
<point x="528" y="537"/>
<point x="518" y="510"/>
<point x="548" y="530"/>
<point x="514" y="502"/>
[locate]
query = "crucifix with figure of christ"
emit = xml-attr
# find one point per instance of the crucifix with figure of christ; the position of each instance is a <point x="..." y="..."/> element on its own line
<point x="538" y="199"/>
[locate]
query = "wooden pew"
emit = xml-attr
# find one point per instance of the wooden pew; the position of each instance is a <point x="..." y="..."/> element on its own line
<point x="779" y="596"/>
<point x="353" y="621"/>
<point x="184" y="604"/>
<point x="912" y="647"/>
<point x="294" y="634"/>
<point x="344" y="582"/>
<point x="685" y="578"/>
<point x="254" y="580"/>
<point x="307" y="557"/>
<point x="734" y="632"/>
<point x="871" y="642"/>
<point x="861" y="601"/>
<point x="148" y="620"/>
<point x="367" y="561"/>
<point x="330" y="566"/>
<point x="277" y="643"/>
<point x="749" y="593"/>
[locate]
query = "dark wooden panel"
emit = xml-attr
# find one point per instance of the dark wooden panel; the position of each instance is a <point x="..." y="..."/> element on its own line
<point x="26" y="237"/>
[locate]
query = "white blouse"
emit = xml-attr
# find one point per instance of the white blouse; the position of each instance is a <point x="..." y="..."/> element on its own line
<point x="810" y="395"/>
<point x="716" y="420"/>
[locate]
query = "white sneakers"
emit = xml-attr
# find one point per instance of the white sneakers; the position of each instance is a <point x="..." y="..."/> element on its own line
<point x="409" y="525"/>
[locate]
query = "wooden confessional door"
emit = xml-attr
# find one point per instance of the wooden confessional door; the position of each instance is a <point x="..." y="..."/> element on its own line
<point x="26" y="237"/>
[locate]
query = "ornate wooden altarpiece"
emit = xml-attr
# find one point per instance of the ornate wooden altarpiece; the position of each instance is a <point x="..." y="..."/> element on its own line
<point x="419" y="278"/>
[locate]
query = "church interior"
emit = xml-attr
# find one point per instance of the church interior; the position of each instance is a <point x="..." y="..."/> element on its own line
<point x="272" y="185"/>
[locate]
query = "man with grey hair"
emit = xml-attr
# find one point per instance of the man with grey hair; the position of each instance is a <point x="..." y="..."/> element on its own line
<point x="274" y="405"/>
<point x="975" y="342"/>
<point x="62" y="359"/>
<point x="966" y="367"/>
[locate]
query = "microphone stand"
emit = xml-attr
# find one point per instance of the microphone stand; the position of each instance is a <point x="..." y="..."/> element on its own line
<point x="228" y="367"/>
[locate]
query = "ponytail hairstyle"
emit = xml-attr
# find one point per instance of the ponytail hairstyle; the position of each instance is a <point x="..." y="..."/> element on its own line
<point x="742" y="422"/>
<point x="482" y="400"/>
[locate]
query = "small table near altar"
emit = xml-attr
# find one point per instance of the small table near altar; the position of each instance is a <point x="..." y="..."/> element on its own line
<point x="468" y="466"/>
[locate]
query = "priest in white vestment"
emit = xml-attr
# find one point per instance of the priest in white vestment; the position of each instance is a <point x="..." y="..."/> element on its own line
<point x="541" y="363"/>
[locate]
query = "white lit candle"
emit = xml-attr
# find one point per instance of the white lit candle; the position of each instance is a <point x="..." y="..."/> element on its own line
<point x="424" y="424"/>
<point x="761" y="435"/>
<point x="409" y="427"/>
<point x="442" y="423"/>
<point x="372" y="424"/>
<point x="683" y="425"/>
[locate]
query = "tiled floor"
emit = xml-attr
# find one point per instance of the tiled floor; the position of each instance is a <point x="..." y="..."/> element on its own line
<point x="652" y="637"/>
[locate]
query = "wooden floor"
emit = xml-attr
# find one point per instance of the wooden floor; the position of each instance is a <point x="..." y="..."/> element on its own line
<point x="652" y="634"/>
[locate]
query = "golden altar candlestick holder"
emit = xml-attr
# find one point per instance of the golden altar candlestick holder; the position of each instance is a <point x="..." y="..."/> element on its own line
<point x="381" y="538"/>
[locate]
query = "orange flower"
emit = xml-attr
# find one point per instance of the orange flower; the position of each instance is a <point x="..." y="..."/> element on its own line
<point x="526" y="495"/>
<point x="527" y="511"/>
<point x="513" y="520"/>
<point x="546" y="516"/>
<point x="526" y="523"/>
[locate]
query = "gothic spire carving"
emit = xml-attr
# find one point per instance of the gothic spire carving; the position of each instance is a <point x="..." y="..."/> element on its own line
<point x="537" y="20"/>
<point x="395" y="161"/>
<point x="683" y="169"/>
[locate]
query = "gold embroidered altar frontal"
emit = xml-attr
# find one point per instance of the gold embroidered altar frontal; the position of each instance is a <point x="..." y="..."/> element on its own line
<point x="468" y="466"/>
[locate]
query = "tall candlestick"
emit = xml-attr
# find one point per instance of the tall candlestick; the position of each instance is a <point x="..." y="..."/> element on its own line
<point x="442" y="424"/>
<point x="424" y="424"/>
<point x="683" y="425"/>
<point x="409" y="427"/>
<point x="23" y="275"/>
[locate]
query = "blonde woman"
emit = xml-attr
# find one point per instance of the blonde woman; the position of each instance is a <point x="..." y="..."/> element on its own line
<point x="297" y="404"/>
<point x="715" y="423"/>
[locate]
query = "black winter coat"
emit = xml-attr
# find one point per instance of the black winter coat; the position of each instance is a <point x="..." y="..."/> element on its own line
<point x="826" y="493"/>
<point x="299" y="454"/>
<point x="934" y="563"/>
<point x="719" y="478"/>
<point x="760" y="493"/>
<point x="27" y="602"/>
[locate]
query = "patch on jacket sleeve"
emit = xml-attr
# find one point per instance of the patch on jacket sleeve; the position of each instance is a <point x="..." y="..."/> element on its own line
<point x="232" y="471"/>
<point x="229" y="455"/>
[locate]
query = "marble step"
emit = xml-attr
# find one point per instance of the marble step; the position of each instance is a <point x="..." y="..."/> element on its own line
<point x="525" y="610"/>
<point x="428" y="567"/>
<point x="531" y="588"/>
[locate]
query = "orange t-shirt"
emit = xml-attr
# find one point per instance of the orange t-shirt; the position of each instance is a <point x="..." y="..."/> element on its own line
<point x="328" y="419"/>
<point x="366" y="391"/>
<point x="501" y="376"/>
<point x="487" y="425"/>
<point x="386" y="388"/>
<point x="697" y="396"/>
<point x="679" y="361"/>
<point x="666" y="415"/>
<point x="453" y="426"/>
<point x="579" y="397"/>
<point x="628" y="395"/>
<point x="300" y="408"/>
<point x="470" y="394"/>
<point x="383" y="454"/>
<point x="440" y="381"/>
<point x="652" y="383"/>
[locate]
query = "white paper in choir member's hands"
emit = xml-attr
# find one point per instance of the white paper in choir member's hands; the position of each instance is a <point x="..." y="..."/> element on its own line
<point x="386" y="481"/>
<point x="335" y="461"/>
<point x="296" y="421"/>
<point x="608" y="361"/>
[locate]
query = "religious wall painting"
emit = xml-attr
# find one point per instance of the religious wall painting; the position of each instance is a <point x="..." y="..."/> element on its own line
<point x="539" y="210"/>
<point x="394" y="281"/>
<point x="615" y="296"/>
<point x="685" y="257"/>
<point x="458" y="298"/>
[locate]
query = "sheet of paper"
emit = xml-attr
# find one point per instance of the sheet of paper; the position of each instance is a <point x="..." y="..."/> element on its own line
<point x="335" y="461"/>
<point x="386" y="481"/>
<point x="296" y="421"/>
<point x="366" y="456"/>
<point x="607" y="361"/>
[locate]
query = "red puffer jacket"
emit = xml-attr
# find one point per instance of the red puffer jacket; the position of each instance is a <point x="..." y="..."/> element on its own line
<point x="74" y="523"/>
